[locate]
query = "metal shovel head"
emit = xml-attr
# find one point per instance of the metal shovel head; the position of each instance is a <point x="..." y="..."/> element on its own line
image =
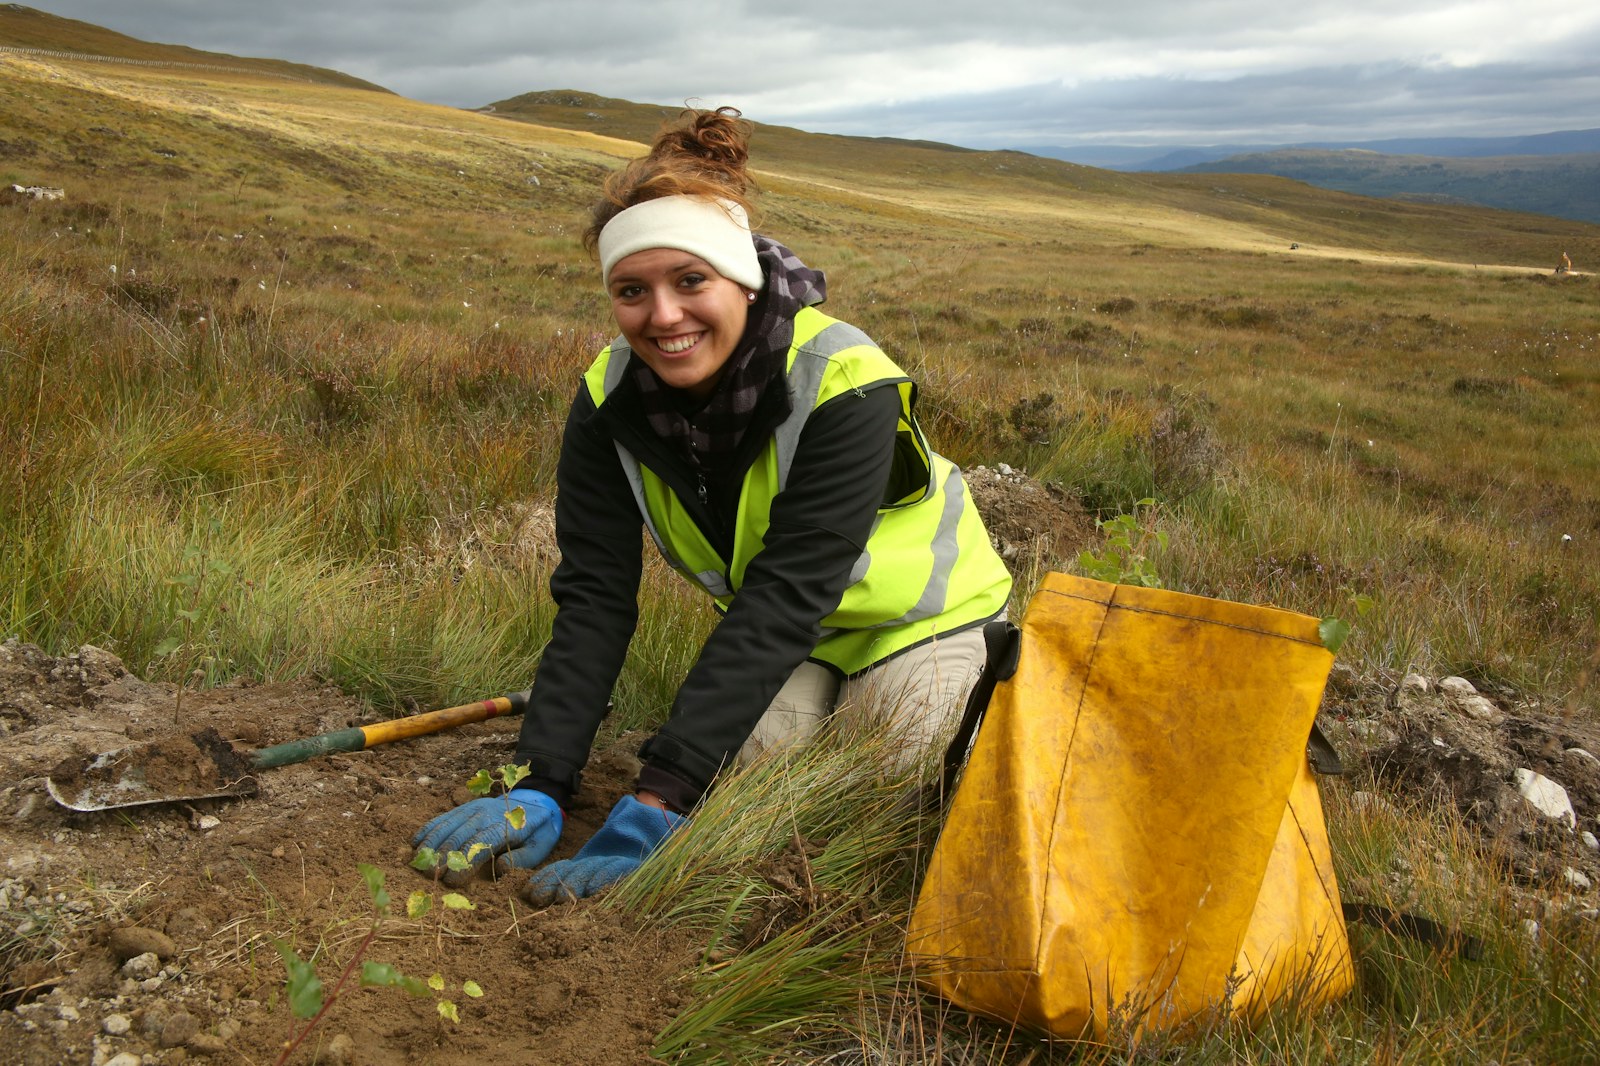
<point x="196" y="767"/>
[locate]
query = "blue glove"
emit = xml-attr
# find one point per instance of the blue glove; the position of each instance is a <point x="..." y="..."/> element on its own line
<point x="632" y="831"/>
<point x="483" y="821"/>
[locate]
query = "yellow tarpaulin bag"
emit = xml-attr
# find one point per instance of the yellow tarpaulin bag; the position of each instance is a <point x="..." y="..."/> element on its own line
<point x="1137" y="840"/>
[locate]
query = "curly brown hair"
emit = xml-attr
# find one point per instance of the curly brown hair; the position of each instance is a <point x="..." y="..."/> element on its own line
<point x="703" y="153"/>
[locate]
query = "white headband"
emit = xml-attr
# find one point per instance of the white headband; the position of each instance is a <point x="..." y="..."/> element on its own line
<point x="717" y="231"/>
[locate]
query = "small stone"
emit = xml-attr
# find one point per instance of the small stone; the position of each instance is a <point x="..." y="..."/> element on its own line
<point x="1530" y="928"/>
<point x="228" y="1029"/>
<point x="341" y="1050"/>
<point x="180" y="1027"/>
<point x="1582" y="755"/>
<point x="151" y="984"/>
<point x="116" y="1024"/>
<point x="1590" y="841"/>
<point x="126" y="1058"/>
<point x="141" y="966"/>
<point x="1577" y="879"/>
<point x="1414" y="685"/>
<point x="67" y="1013"/>
<point x="278" y="852"/>
<point x="155" y="1016"/>
<point x="206" y="822"/>
<point x="1545" y="796"/>
<point x="208" y="1045"/>
<point x="1478" y="707"/>
<point x="424" y="780"/>
<point x="1457" y="688"/>
<point x="136" y="940"/>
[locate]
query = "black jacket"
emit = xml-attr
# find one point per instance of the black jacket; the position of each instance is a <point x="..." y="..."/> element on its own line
<point x="820" y="523"/>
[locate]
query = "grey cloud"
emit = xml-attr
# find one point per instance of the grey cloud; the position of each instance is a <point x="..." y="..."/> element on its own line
<point x="793" y="69"/>
<point x="1322" y="104"/>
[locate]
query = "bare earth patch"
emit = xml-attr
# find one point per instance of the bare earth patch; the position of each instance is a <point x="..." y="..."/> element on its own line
<point x="211" y="884"/>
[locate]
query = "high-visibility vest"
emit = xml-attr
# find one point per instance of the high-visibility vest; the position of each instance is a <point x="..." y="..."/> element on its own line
<point x="928" y="567"/>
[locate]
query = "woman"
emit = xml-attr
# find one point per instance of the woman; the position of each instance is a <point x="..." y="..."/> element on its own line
<point x="772" y="455"/>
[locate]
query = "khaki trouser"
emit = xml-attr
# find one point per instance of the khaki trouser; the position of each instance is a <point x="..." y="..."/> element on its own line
<point x="918" y="695"/>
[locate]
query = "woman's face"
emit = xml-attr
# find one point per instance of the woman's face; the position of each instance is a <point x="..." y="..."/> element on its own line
<point x="679" y="315"/>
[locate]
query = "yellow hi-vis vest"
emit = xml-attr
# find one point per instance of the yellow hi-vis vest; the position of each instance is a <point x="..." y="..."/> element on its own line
<point x="928" y="567"/>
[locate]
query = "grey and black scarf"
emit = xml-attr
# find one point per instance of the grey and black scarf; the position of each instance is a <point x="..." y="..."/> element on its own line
<point x="713" y="430"/>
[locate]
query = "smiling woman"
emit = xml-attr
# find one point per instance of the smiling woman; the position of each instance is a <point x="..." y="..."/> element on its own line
<point x="774" y="456"/>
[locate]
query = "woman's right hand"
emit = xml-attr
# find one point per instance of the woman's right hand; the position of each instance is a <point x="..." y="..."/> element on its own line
<point x="485" y="821"/>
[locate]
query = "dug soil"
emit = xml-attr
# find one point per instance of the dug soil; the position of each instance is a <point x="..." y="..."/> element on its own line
<point x="209" y="886"/>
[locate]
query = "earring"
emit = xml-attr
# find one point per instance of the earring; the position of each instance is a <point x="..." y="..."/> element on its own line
<point x="750" y="296"/>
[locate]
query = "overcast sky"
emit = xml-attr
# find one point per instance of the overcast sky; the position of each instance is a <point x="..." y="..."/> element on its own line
<point x="981" y="73"/>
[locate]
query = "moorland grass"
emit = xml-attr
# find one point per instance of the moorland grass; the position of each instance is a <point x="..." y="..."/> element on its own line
<point x="335" y="356"/>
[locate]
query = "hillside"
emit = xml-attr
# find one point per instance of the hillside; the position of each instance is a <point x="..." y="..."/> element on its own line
<point x="1565" y="186"/>
<point x="24" y="28"/>
<point x="1002" y="190"/>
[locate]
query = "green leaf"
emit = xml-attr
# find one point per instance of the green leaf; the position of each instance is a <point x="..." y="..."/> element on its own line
<point x="425" y="860"/>
<point x="436" y="982"/>
<point x="168" y="646"/>
<point x="472" y="988"/>
<point x="472" y="852"/>
<point x="480" y="783"/>
<point x="517" y="817"/>
<point x="374" y="879"/>
<point x="188" y="614"/>
<point x="1363" y="604"/>
<point x="383" y="975"/>
<point x="510" y="774"/>
<point x="1333" y="632"/>
<point x="380" y="975"/>
<point x="457" y="902"/>
<point x="304" y="987"/>
<point x="457" y="861"/>
<point x="418" y="904"/>
<point x="448" y="1010"/>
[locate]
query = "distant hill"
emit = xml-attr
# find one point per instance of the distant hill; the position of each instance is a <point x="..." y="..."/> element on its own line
<point x="26" y="29"/>
<point x="833" y="158"/>
<point x="1554" y="174"/>
<point x="1170" y="157"/>
<point x="1566" y="186"/>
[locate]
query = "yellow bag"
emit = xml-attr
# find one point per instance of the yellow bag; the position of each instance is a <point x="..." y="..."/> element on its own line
<point x="1137" y="840"/>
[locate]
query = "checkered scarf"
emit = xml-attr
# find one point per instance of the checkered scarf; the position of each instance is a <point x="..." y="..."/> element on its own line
<point x="712" y="432"/>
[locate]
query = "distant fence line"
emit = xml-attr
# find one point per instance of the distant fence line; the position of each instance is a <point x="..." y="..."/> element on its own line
<point x="153" y="62"/>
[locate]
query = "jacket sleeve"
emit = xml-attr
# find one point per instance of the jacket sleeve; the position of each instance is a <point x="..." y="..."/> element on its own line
<point x="595" y="587"/>
<point x="819" y="527"/>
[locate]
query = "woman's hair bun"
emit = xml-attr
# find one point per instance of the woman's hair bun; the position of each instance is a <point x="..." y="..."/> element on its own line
<point x="704" y="153"/>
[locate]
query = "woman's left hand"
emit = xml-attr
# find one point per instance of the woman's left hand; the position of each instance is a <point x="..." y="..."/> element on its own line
<point x="632" y="831"/>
